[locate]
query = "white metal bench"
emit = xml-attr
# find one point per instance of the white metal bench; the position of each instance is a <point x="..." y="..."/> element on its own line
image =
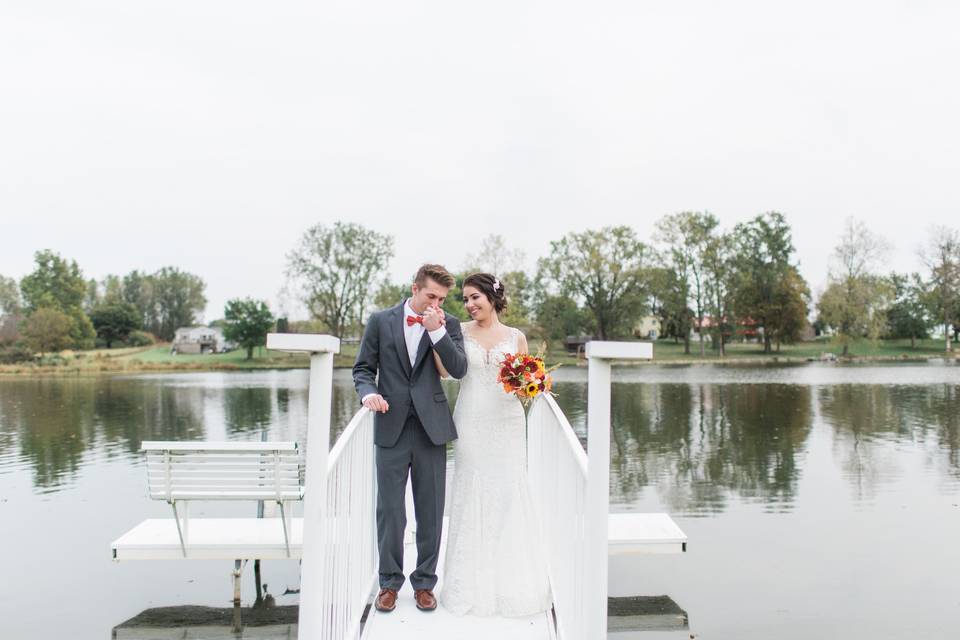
<point x="185" y="472"/>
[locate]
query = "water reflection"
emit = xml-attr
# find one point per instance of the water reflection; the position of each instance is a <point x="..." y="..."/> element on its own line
<point x="247" y="408"/>
<point x="865" y="417"/>
<point x="698" y="443"/>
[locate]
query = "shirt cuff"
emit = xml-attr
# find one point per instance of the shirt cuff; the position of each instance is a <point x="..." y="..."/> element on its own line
<point x="364" y="398"/>
<point x="437" y="334"/>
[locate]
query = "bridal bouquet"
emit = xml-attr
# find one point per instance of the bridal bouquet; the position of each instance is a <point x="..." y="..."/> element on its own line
<point x="525" y="376"/>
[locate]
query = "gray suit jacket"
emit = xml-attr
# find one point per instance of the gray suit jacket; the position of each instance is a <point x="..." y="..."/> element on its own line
<point x="383" y="351"/>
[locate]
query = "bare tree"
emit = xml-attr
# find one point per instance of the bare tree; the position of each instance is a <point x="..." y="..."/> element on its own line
<point x="334" y="269"/>
<point x="687" y="238"/>
<point x="494" y="256"/>
<point x="856" y="297"/>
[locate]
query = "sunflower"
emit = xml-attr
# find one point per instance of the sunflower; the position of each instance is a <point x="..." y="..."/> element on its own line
<point x="532" y="389"/>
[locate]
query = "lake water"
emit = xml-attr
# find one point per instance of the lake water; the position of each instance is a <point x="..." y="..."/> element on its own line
<point x="821" y="500"/>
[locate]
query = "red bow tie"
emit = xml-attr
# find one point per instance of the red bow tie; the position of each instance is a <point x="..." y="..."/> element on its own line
<point x="412" y="320"/>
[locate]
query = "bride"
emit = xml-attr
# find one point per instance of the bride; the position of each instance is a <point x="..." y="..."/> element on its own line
<point x="494" y="564"/>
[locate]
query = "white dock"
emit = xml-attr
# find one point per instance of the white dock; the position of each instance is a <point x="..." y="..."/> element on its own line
<point x="569" y="490"/>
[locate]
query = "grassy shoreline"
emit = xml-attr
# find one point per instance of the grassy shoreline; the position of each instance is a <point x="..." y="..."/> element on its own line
<point x="158" y="359"/>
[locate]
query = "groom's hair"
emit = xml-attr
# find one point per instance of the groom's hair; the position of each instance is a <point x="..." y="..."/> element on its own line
<point x="436" y="272"/>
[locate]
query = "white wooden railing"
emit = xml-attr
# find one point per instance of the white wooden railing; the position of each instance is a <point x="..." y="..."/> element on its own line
<point x="557" y="467"/>
<point x="349" y="533"/>
<point x="570" y="491"/>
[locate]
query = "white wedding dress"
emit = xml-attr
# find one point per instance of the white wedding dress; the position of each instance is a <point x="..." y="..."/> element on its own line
<point x="493" y="565"/>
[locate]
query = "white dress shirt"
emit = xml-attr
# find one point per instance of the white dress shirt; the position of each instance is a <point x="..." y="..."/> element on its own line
<point x="413" y="334"/>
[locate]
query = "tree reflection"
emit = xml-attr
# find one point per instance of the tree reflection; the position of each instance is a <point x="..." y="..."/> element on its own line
<point x="247" y="408"/>
<point x="698" y="443"/>
<point x="866" y="417"/>
<point x="54" y="420"/>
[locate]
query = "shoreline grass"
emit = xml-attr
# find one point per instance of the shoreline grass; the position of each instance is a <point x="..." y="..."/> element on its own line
<point x="157" y="358"/>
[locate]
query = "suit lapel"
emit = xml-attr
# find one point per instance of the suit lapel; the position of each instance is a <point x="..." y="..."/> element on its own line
<point x="400" y="338"/>
<point x="422" y="349"/>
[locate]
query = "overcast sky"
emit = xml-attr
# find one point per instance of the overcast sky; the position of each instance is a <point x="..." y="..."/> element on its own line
<point x="210" y="135"/>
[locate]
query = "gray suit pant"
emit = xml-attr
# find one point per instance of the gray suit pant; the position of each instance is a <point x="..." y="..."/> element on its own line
<point x="426" y="463"/>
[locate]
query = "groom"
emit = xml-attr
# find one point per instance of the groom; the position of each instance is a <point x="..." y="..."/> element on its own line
<point x="412" y="424"/>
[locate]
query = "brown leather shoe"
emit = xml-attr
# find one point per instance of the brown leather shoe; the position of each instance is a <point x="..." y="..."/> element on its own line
<point x="425" y="599"/>
<point x="386" y="600"/>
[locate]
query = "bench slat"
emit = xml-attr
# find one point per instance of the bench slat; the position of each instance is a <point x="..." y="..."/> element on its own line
<point x="218" y="446"/>
<point x="228" y="495"/>
<point x="253" y="458"/>
<point x="180" y="472"/>
<point x="235" y="483"/>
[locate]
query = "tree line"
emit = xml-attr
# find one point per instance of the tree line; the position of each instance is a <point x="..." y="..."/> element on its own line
<point x="701" y="282"/>
<point x="55" y="307"/>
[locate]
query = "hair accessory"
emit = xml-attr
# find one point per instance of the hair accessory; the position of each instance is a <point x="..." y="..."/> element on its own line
<point x="496" y="285"/>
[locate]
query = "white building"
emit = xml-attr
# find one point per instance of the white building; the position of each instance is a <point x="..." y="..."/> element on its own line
<point x="200" y="340"/>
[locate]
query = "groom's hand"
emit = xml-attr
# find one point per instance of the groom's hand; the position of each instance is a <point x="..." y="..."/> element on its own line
<point x="432" y="319"/>
<point x="376" y="403"/>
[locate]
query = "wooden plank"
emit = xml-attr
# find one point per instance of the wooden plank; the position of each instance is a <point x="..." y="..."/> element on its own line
<point x="303" y="343"/>
<point x="406" y="622"/>
<point x="210" y="539"/>
<point x="619" y="350"/>
<point x="644" y="533"/>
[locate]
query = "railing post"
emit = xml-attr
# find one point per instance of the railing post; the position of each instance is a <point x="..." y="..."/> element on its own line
<point x="599" y="356"/>
<point x="321" y="349"/>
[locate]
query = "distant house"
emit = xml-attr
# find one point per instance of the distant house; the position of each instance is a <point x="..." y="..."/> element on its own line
<point x="647" y="327"/>
<point x="200" y="340"/>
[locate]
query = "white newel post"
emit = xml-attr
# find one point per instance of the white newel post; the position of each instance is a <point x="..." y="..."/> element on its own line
<point x="321" y="349"/>
<point x="599" y="356"/>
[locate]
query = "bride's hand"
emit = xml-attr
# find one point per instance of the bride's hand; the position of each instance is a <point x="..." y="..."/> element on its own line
<point x="432" y="319"/>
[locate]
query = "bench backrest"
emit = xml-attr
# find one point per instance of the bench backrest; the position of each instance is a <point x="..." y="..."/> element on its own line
<point x="223" y="471"/>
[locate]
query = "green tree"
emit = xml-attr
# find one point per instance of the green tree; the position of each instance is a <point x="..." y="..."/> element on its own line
<point x="559" y="317"/>
<point x="178" y="300"/>
<point x="247" y="322"/>
<point x="9" y="297"/>
<point x="112" y="290"/>
<point x="942" y="258"/>
<point x="454" y="302"/>
<point x="856" y="298"/>
<point x="389" y="295"/>
<point x="763" y="249"/>
<point x="519" y="291"/>
<point x="47" y="330"/>
<point x="607" y="270"/>
<point x="55" y="283"/>
<point x="719" y="263"/>
<point x="669" y="295"/>
<point x="114" y="322"/>
<point x="58" y="284"/>
<point x="789" y="308"/>
<point x="686" y="238"/>
<point x="907" y="317"/>
<point x="334" y="269"/>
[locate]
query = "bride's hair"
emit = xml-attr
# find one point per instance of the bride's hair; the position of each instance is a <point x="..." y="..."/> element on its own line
<point x="490" y="286"/>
